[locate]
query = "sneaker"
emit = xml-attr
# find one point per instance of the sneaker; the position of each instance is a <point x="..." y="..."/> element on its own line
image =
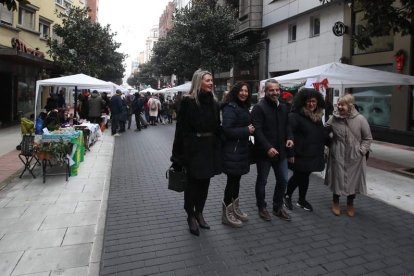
<point x="287" y="201"/>
<point x="282" y="214"/>
<point x="305" y="205"/>
<point x="117" y="134"/>
<point x="264" y="214"/>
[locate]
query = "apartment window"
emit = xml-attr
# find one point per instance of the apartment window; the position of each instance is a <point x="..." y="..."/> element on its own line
<point x="315" y="26"/>
<point x="44" y="29"/>
<point x="6" y="16"/>
<point x="26" y="18"/>
<point x="64" y="3"/>
<point x="292" y="32"/>
<point x="243" y="8"/>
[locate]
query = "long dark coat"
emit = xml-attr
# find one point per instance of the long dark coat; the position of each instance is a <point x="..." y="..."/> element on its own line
<point x="194" y="147"/>
<point x="236" y="120"/>
<point x="272" y="129"/>
<point x="309" y="139"/>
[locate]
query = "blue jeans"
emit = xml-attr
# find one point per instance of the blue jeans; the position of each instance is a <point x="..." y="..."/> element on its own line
<point x="280" y="168"/>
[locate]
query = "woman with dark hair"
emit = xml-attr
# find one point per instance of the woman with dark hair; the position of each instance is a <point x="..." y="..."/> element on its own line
<point x="309" y="138"/>
<point x="235" y="151"/>
<point x="197" y="146"/>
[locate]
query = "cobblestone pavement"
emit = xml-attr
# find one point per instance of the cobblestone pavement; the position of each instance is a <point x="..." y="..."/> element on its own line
<point x="146" y="231"/>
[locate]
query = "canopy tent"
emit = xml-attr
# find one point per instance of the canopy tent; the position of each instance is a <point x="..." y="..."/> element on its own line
<point x="343" y="76"/>
<point x="149" y="89"/>
<point x="80" y="81"/>
<point x="183" y="88"/>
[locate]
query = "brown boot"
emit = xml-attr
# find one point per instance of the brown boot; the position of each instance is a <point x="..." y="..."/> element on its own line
<point x="335" y="208"/>
<point x="350" y="209"/>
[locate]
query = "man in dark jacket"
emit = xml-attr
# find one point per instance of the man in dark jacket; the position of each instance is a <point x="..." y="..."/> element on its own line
<point x="95" y="107"/>
<point x="116" y="112"/>
<point x="272" y="137"/>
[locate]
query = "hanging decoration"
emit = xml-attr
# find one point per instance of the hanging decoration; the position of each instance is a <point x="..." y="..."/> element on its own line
<point x="322" y="84"/>
<point x="399" y="60"/>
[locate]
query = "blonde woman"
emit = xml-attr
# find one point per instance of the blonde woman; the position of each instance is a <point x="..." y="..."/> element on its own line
<point x="346" y="167"/>
<point x="197" y="146"/>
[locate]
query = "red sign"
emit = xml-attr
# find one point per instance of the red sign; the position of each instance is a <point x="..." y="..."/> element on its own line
<point x="20" y="46"/>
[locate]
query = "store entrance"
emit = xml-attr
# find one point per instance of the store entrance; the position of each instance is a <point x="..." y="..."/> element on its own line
<point x="6" y="94"/>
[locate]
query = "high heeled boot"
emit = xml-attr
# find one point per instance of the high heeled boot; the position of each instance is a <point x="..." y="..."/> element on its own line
<point x="201" y="221"/>
<point x="193" y="226"/>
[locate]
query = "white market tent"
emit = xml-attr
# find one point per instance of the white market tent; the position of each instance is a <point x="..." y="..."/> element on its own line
<point x="79" y="81"/>
<point x="183" y="88"/>
<point x="149" y="89"/>
<point x="341" y="76"/>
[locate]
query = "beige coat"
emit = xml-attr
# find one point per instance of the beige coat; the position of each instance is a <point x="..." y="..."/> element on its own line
<point x="346" y="167"/>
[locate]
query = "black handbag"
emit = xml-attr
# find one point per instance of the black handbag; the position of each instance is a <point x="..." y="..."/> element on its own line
<point x="177" y="180"/>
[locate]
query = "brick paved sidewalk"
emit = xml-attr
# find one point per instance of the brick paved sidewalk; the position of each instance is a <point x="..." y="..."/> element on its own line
<point x="146" y="231"/>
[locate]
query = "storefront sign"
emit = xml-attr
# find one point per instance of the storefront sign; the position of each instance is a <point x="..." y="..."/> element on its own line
<point x="20" y="46"/>
<point x="339" y="28"/>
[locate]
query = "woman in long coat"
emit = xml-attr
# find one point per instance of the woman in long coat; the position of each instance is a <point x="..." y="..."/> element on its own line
<point x="309" y="138"/>
<point x="197" y="146"/>
<point x="346" y="167"/>
<point x="237" y="129"/>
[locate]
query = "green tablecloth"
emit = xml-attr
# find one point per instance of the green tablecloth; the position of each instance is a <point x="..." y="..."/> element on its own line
<point x="75" y="138"/>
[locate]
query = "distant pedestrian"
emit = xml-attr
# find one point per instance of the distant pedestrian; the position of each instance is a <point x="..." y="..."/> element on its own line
<point x="197" y="146"/>
<point x="309" y="137"/>
<point x="96" y="103"/>
<point x="272" y="137"/>
<point x="235" y="151"/>
<point x="346" y="167"/>
<point x="116" y="112"/>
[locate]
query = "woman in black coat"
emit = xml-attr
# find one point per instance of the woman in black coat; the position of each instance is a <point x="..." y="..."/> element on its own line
<point x="309" y="138"/>
<point x="197" y="146"/>
<point x="237" y="129"/>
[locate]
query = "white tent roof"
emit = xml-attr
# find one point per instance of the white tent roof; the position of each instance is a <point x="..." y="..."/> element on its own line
<point x="183" y="88"/>
<point x="344" y="76"/>
<point x="81" y="81"/>
<point x="149" y="89"/>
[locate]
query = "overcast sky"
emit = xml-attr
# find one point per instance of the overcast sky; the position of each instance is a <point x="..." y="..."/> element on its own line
<point x="132" y="20"/>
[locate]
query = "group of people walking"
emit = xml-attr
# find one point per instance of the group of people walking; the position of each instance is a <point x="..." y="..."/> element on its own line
<point x="207" y="144"/>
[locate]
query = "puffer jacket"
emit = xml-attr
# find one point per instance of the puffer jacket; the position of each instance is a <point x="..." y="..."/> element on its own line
<point x="235" y="150"/>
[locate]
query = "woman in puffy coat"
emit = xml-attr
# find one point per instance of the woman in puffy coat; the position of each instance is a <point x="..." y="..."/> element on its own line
<point x="197" y="146"/>
<point x="347" y="164"/>
<point x="309" y="138"/>
<point x="235" y="151"/>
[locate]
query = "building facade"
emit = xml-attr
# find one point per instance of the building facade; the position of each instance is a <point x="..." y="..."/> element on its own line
<point x="299" y="34"/>
<point x="166" y="20"/>
<point x="23" y="53"/>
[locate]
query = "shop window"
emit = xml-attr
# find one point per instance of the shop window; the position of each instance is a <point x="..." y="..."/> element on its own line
<point x="379" y="44"/>
<point x="6" y="15"/>
<point x="292" y="33"/>
<point x="26" y="18"/>
<point x="44" y="29"/>
<point x="315" y="26"/>
<point x="374" y="103"/>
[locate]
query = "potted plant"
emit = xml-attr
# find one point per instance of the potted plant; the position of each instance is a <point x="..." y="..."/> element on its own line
<point x="53" y="150"/>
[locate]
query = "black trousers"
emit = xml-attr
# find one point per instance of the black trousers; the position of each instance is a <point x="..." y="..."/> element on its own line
<point x="232" y="189"/>
<point x="195" y="195"/>
<point x="137" y="120"/>
<point x="301" y="180"/>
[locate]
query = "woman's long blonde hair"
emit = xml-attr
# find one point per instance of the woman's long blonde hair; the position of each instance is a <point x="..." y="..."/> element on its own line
<point x="196" y="84"/>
